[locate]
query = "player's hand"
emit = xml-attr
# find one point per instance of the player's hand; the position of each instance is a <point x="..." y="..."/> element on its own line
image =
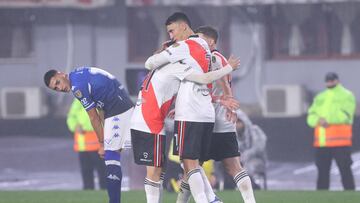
<point x="322" y="122"/>
<point x="230" y="103"/>
<point x="234" y="62"/>
<point x="164" y="46"/>
<point x="231" y="116"/>
<point x="171" y="114"/>
<point x="101" y="151"/>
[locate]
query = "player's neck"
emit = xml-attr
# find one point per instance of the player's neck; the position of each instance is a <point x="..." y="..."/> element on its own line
<point x="188" y="33"/>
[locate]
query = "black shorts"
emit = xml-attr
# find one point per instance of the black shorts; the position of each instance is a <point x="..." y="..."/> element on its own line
<point x="192" y="140"/>
<point x="224" y="145"/>
<point x="149" y="149"/>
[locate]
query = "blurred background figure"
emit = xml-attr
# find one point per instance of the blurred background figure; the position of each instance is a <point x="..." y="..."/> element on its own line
<point x="332" y="115"/>
<point x="252" y="146"/>
<point x="87" y="145"/>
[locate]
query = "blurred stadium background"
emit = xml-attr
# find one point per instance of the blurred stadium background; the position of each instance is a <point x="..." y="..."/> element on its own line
<point x="285" y="46"/>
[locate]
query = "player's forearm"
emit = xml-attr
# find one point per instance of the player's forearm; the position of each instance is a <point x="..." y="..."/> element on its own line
<point x="227" y="88"/>
<point x="206" y="78"/>
<point x="96" y="124"/>
<point x="156" y="61"/>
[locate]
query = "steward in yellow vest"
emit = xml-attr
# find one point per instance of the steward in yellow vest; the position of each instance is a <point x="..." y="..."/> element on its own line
<point x="332" y="115"/>
<point x="336" y="107"/>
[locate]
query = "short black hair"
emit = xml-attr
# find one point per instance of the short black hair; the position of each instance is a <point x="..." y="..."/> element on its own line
<point x="331" y="76"/>
<point x="48" y="75"/>
<point x="208" y="31"/>
<point x="178" y="16"/>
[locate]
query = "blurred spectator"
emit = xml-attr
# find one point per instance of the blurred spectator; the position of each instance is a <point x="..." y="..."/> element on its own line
<point x="87" y="145"/>
<point x="332" y="115"/>
<point x="252" y="145"/>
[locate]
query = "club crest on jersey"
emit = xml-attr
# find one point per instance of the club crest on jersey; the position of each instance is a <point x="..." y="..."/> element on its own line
<point x="213" y="59"/>
<point x="78" y="94"/>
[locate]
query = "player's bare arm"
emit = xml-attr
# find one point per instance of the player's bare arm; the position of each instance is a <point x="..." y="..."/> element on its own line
<point x="98" y="128"/>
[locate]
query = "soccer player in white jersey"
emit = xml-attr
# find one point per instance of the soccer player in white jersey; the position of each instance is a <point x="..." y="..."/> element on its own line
<point x="195" y="53"/>
<point x="224" y="146"/>
<point x="154" y="100"/>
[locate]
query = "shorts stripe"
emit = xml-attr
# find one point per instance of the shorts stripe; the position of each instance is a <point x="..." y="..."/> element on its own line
<point x="178" y="138"/>
<point x="158" y="153"/>
<point x="157" y="150"/>
<point x="182" y="128"/>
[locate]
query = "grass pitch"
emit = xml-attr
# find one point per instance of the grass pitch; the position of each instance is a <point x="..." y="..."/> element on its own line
<point x="139" y="197"/>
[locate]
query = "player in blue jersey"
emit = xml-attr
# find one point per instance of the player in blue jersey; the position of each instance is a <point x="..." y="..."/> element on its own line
<point x="109" y="108"/>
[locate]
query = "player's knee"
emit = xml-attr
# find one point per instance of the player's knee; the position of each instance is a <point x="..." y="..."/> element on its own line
<point x="232" y="166"/>
<point x="153" y="173"/>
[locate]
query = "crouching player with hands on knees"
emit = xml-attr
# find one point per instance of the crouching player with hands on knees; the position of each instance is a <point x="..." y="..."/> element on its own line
<point x="98" y="89"/>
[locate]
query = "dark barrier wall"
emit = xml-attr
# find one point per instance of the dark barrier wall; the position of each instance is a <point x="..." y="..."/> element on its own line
<point x="289" y="139"/>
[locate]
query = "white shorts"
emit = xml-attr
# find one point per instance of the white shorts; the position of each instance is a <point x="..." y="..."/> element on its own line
<point x="117" y="131"/>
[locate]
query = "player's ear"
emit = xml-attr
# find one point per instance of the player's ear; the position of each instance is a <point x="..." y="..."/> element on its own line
<point x="183" y="26"/>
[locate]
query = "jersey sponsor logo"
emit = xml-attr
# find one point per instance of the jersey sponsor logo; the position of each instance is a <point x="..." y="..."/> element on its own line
<point x="187" y="69"/>
<point x="202" y="90"/>
<point x="78" y="94"/>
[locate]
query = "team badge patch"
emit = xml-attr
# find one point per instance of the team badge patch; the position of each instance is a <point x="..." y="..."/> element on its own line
<point x="213" y="59"/>
<point x="78" y="94"/>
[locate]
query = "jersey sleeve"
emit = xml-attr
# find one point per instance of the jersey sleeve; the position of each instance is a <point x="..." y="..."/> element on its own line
<point x="218" y="61"/>
<point x="177" y="52"/>
<point x="82" y="94"/>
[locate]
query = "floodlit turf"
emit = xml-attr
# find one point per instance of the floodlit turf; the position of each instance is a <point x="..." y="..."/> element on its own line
<point x="139" y="197"/>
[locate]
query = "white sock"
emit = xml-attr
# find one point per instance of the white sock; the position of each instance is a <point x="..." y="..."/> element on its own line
<point x="152" y="190"/>
<point x="208" y="189"/>
<point x="197" y="187"/>
<point x="243" y="183"/>
<point x="185" y="193"/>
